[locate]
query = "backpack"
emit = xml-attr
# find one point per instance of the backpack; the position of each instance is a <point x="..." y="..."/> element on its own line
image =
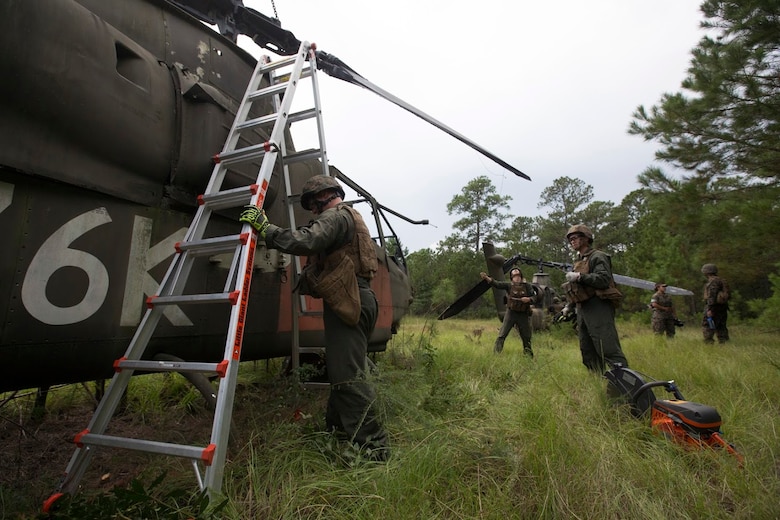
<point x="723" y="293"/>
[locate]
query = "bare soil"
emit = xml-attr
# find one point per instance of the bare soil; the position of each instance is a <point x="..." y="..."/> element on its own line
<point x="36" y="451"/>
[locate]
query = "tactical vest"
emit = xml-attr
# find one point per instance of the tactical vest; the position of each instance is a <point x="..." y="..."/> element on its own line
<point x="578" y="292"/>
<point x="517" y="291"/>
<point x="334" y="275"/>
<point x="360" y="247"/>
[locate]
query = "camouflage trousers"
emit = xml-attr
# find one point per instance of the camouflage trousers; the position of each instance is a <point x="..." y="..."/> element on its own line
<point x="663" y="325"/>
<point x="351" y="405"/>
<point x="520" y="320"/>
<point x="721" y="331"/>
<point x="599" y="342"/>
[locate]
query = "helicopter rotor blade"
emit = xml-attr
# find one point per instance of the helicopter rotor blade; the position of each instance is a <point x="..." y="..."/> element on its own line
<point x="465" y="300"/>
<point x="650" y="286"/>
<point x="336" y="68"/>
<point x="476" y="291"/>
<point x="234" y="18"/>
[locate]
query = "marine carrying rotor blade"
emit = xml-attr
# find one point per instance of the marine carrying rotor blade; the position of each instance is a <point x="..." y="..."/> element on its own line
<point x="333" y="66"/>
<point x="475" y="292"/>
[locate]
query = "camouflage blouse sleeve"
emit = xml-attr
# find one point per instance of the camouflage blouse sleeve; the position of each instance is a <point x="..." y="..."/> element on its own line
<point x="499" y="284"/>
<point x="600" y="268"/>
<point x="711" y="289"/>
<point x="330" y="230"/>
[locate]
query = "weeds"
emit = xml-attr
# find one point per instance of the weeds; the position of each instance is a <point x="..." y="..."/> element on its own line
<point x="138" y="501"/>
<point x="473" y="435"/>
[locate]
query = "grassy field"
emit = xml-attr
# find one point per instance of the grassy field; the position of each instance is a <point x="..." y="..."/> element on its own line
<point x="474" y="435"/>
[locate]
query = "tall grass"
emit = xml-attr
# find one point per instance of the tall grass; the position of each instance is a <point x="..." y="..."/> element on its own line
<point x="480" y="435"/>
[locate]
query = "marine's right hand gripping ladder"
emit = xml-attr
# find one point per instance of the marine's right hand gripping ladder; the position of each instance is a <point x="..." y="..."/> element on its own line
<point x="284" y="76"/>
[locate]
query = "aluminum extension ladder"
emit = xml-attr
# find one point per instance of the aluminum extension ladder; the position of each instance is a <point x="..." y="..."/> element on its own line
<point x="284" y="76"/>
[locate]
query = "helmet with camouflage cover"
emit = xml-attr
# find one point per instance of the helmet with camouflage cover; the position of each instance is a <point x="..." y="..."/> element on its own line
<point x="709" y="269"/>
<point x="318" y="184"/>
<point x="580" y="229"/>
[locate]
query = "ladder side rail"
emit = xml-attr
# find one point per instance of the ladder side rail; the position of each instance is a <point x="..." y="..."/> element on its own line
<point x="297" y="302"/>
<point x="199" y="221"/>
<point x="289" y="198"/>
<point x="223" y="412"/>
<point x="174" y="284"/>
<point x="230" y="281"/>
<point x="318" y="108"/>
<point x="218" y="173"/>
<point x="79" y="462"/>
<point x="277" y="134"/>
<point x="108" y="404"/>
<point x="226" y="395"/>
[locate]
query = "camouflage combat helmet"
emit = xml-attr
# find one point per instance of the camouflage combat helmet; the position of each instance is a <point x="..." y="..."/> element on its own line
<point x="709" y="269"/>
<point x="318" y="184"/>
<point x="582" y="229"/>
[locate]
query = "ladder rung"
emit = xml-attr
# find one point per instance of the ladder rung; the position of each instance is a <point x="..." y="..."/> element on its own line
<point x="271" y="118"/>
<point x="244" y="154"/>
<point x="231" y="198"/>
<point x="304" y="155"/>
<point x="227" y="297"/>
<point x="302" y="115"/>
<point x="212" y="246"/>
<point x="165" y="448"/>
<point x="171" y="366"/>
<point x="285" y="78"/>
<point x="262" y="93"/>
<point x="257" y="122"/>
<point x="274" y="65"/>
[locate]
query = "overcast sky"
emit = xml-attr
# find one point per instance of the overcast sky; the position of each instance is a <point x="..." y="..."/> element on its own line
<point x="547" y="86"/>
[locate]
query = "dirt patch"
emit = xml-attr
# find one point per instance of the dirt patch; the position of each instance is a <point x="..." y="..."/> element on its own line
<point x="36" y="452"/>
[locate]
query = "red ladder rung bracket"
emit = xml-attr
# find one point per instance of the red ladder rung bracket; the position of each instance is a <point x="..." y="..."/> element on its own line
<point x="208" y="454"/>
<point x="77" y="438"/>
<point x="222" y="368"/>
<point x="150" y="302"/>
<point x="243" y="238"/>
<point x="117" y="368"/>
<point x="47" y="505"/>
<point x="234" y="297"/>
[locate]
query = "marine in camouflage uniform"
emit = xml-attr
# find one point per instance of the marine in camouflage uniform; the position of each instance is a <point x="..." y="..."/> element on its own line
<point x="663" y="311"/>
<point x="338" y="228"/>
<point x="712" y="309"/>
<point x="599" y="342"/>
<point x="520" y="300"/>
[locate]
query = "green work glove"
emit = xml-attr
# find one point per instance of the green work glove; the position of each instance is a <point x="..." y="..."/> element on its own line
<point x="256" y="217"/>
